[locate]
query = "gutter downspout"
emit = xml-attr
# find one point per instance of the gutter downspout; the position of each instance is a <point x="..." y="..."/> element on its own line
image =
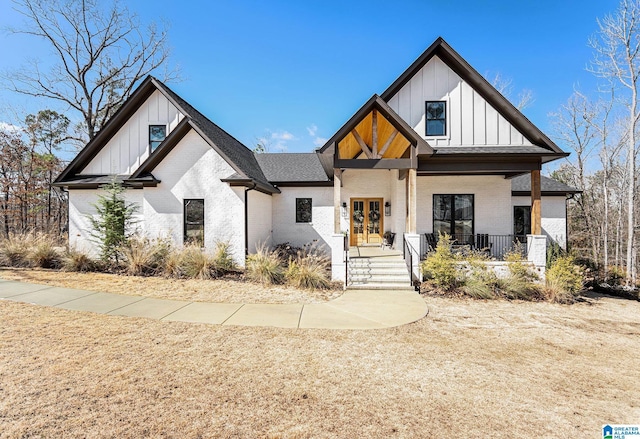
<point x="246" y="218"/>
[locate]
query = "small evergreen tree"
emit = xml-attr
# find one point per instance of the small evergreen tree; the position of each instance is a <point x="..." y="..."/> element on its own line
<point x="112" y="224"/>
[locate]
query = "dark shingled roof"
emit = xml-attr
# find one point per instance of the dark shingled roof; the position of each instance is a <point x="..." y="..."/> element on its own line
<point x="239" y="156"/>
<point x="235" y="153"/>
<point x="521" y="185"/>
<point x="292" y="167"/>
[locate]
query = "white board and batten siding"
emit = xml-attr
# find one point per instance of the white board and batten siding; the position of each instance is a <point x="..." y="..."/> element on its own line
<point x="471" y="120"/>
<point x="129" y="147"/>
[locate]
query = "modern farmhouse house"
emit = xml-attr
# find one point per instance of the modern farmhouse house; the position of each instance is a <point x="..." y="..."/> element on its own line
<point x="439" y="151"/>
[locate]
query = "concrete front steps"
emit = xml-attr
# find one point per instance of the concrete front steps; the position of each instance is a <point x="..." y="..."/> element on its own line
<point x="378" y="273"/>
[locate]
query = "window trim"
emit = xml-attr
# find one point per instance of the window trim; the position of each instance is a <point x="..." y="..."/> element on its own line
<point x="452" y="220"/>
<point x="152" y="125"/>
<point x="298" y="221"/>
<point x="185" y="240"/>
<point x="446" y="118"/>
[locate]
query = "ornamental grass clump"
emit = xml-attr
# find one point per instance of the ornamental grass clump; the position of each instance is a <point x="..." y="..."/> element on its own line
<point x="522" y="281"/>
<point x="196" y="264"/>
<point x="74" y="260"/>
<point x="441" y="266"/>
<point x="15" y="250"/>
<point x="480" y="281"/>
<point x="43" y="253"/>
<point x="143" y="256"/>
<point x="264" y="266"/>
<point x="309" y="269"/>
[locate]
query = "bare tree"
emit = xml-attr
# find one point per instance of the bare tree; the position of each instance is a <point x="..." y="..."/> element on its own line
<point x="617" y="58"/>
<point x="101" y="53"/>
<point x="574" y="127"/>
<point x="505" y="86"/>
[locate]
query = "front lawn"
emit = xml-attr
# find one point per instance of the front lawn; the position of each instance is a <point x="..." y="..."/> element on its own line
<point x="470" y="369"/>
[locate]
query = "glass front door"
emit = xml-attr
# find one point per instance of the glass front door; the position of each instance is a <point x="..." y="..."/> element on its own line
<point x="366" y="221"/>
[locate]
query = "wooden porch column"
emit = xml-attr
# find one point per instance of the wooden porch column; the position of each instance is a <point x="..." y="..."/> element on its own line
<point x="536" y="208"/>
<point x="337" y="182"/>
<point x="412" y="203"/>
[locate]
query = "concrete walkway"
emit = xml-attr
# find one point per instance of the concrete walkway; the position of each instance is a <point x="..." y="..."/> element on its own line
<point x="362" y="309"/>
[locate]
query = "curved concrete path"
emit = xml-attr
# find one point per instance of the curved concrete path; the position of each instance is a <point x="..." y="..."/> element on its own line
<point x="361" y="309"/>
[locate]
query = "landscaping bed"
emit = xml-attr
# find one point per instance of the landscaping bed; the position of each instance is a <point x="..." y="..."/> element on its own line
<point x="231" y="288"/>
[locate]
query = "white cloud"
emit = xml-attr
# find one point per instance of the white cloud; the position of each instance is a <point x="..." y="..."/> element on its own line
<point x="312" y="130"/>
<point x="319" y="141"/>
<point x="4" y="126"/>
<point x="282" y="136"/>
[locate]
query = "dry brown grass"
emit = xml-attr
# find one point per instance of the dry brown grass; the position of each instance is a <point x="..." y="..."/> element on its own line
<point x="471" y="369"/>
<point x="197" y="290"/>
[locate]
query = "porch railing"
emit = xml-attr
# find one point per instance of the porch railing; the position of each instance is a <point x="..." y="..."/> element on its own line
<point x="494" y="246"/>
<point x="345" y="250"/>
<point x="411" y="257"/>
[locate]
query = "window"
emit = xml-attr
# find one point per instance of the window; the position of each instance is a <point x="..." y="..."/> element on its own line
<point x="453" y="214"/>
<point x="157" y="133"/>
<point x="521" y="221"/>
<point x="436" y="118"/>
<point x="194" y="222"/>
<point x="303" y="210"/>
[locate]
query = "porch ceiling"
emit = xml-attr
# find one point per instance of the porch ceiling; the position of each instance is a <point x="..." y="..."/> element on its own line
<point x="389" y="142"/>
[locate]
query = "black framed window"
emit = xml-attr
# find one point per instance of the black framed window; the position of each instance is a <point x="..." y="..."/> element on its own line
<point x="194" y="222"/>
<point x="303" y="210"/>
<point x="157" y="134"/>
<point x="521" y="221"/>
<point x="436" y="112"/>
<point x="454" y="215"/>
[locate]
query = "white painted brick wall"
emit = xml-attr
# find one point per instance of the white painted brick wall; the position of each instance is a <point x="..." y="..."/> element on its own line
<point x="191" y="170"/>
<point x="81" y="207"/>
<point x="554" y="217"/>
<point x="492" y="201"/>
<point x="260" y="219"/>
<point x="285" y="228"/>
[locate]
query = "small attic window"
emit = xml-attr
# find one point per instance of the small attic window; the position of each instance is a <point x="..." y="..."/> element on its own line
<point x="436" y="118"/>
<point x="157" y="134"/>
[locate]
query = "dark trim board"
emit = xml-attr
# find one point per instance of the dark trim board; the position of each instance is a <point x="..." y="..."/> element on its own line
<point x="375" y="164"/>
<point x="470" y="165"/>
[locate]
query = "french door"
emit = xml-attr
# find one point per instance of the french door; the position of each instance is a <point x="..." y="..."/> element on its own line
<point x="366" y="221"/>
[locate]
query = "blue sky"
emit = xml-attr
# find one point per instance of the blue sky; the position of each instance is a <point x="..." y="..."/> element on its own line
<point x="294" y="72"/>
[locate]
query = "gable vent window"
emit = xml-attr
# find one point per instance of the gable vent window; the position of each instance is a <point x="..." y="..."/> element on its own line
<point x="436" y="118"/>
<point x="303" y="210"/>
<point x="157" y="134"/>
<point x="194" y="222"/>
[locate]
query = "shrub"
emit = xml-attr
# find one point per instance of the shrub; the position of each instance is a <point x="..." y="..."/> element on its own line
<point x="144" y="257"/>
<point x="75" y="260"/>
<point x="554" y="251"/>
<point x="287" y="252"/>
<point x="615" y="276"/>
<point x="264" y="266"/>
<point x="565" y="275"/>
<point x="441" y="265"/>
<point x="112" y="222"/>
<point x="222" y="257"/>
<point x="309" y="269"/>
